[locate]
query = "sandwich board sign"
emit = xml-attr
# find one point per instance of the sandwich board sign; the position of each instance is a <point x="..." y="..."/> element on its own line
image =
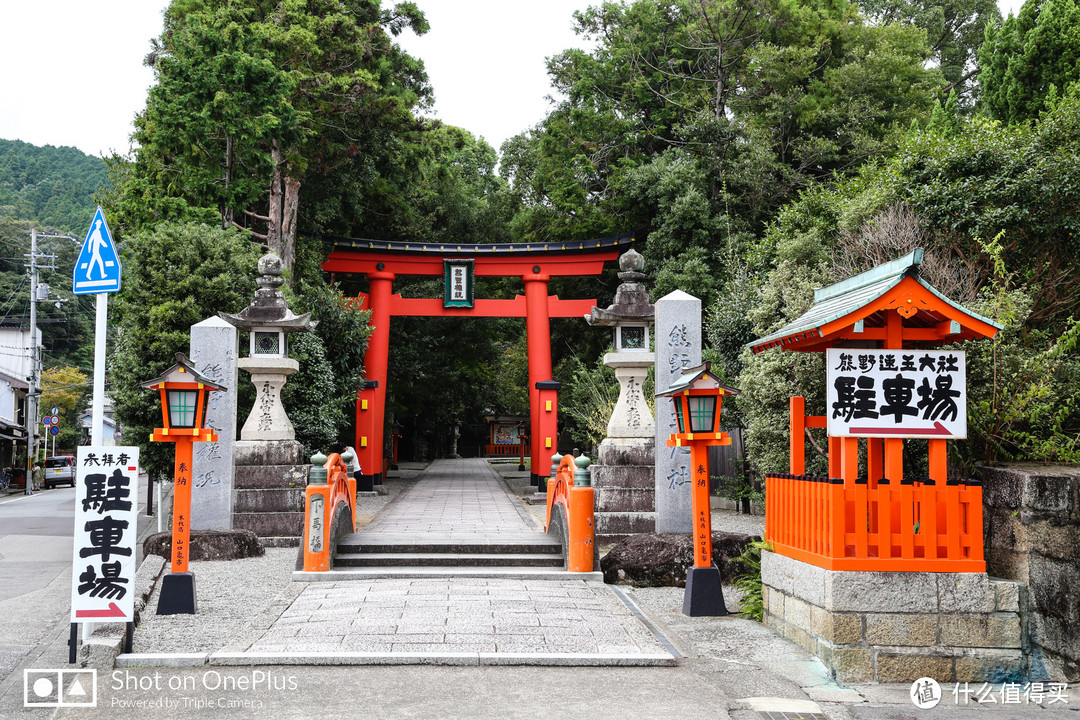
<point x="106" y="526"/>
<point x="97" y="269"/>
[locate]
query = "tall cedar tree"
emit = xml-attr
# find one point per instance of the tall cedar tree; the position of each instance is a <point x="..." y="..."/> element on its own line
<point x="254" y="98"/>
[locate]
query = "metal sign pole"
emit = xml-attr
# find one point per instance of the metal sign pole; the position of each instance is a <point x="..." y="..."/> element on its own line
<point x="97" y="417"/>
<point x="99" y="257"/>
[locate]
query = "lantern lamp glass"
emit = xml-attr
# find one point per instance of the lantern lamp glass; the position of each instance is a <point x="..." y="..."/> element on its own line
<point x="182" y="405"/>
<point x="702" y="413"/>
<point x="632" y="337"/>
<point x="267" y="343"/>
<point x="679" y="413"/>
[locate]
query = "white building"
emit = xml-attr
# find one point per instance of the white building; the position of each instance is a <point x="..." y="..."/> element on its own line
<point x="15" y="370"/>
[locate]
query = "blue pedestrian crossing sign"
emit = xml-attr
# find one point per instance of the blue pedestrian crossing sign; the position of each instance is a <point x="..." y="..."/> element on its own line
<point x="97" y="269"/>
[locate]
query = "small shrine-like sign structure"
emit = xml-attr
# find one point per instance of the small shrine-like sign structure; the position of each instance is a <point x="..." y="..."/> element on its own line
<point x="884" y="386"/>
<point x="534" y="263"/>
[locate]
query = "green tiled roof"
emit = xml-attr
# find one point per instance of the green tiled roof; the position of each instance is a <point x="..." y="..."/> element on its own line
<point x="845" y="297"/>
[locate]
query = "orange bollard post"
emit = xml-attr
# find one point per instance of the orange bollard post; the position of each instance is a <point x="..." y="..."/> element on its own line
<point x="580" y="554"/>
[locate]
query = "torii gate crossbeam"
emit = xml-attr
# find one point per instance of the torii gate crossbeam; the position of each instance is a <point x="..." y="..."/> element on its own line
<point x="534" y="263"/>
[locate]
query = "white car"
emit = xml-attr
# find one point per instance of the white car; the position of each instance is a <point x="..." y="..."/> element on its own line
<point x="60" y="469"/>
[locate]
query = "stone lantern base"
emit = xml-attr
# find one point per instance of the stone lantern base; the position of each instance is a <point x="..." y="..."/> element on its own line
<point x="625" y="488"/>
<point x="270" y="477"/>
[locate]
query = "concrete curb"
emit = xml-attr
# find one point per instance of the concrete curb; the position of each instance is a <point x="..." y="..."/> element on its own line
<point x="101" y="649"/>
<point x="458" y="659"/>
<point x="176" y="660"/>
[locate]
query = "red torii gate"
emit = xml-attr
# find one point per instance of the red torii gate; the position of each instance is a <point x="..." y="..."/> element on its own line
<point x="535" y="263"/>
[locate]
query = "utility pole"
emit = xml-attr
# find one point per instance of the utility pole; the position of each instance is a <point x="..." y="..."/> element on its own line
<point x="35" y="375"/>
<point x="34" y="378"/>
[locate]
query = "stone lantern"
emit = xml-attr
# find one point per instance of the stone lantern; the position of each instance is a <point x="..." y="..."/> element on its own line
<point x="630" y="317"/>
<point x="623" y="473"/>
<point x="268" y="320"/>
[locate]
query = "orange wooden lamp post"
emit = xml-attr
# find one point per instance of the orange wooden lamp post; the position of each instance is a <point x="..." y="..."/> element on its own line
<point x="183" y="405"/>
<point x="697" y="396"/>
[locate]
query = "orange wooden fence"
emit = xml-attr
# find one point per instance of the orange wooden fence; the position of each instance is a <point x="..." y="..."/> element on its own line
<point x="579" y="507"/>
<point x="909" y="526"/>
<point x="492" y="450"/>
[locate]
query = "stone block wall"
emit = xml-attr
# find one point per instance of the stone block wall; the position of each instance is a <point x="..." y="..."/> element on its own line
<point x="1031" y="515"/>
<point x="268" y="498"/>
<point x="898" y="627"/>
<point x="625" y="490"/>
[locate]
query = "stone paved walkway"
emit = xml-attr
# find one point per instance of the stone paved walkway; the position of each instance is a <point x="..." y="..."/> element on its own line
<point x="455" y="616"/>
<point x="460" y="620"/>
<point x="455" y="500"/>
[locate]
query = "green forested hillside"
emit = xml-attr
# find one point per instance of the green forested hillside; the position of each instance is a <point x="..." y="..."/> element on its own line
<point x="50" y="185"/>
<point x="50" y="189"/>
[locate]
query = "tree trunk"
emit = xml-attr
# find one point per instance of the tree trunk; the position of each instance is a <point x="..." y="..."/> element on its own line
<point x="284" y="204"/>
<point x="288" y="221"/>
<point x="226" y="210"/>
<point x="720" y="110"/>
<point x="277" y="190"/>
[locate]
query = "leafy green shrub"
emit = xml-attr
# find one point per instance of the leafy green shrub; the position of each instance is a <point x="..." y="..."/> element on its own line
<point x="1022" y="391"/>
<point x="748" y="581"/>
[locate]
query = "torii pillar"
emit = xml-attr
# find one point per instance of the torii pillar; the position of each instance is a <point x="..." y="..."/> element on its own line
<point x="369" y="426"/>
<point x="538" y="336"/>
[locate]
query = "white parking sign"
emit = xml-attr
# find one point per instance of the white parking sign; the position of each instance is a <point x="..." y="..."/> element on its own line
<point x="106" y="525"/>
<point x="896" y="393"/>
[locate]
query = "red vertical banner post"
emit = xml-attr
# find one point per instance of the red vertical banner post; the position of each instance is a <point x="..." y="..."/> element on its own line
<point x="834" y="457"/>
<point x="797" y="441"/>
<point x="538" y="336"/>
<point x="546" y="431"/>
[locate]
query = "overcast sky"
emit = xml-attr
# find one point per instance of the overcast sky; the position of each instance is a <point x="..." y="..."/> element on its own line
<point x="73" y="72"/>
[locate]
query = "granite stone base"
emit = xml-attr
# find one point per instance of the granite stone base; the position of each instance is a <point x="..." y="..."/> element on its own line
<point x="270" y="477"/>
<point x="624" y="482"/>
<point x="895" y="627"/>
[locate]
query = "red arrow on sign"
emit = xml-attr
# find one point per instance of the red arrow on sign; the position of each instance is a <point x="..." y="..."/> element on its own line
<point x="113" y="611"/>
<point x="938" y="429"/>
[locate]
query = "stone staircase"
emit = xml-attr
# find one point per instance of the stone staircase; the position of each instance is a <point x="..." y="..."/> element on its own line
<point x="377" y="556"/>
<point x="268" y="498"/>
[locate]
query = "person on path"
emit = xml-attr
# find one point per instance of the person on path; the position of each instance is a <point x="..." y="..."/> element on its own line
<point x="354" y="464"/>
